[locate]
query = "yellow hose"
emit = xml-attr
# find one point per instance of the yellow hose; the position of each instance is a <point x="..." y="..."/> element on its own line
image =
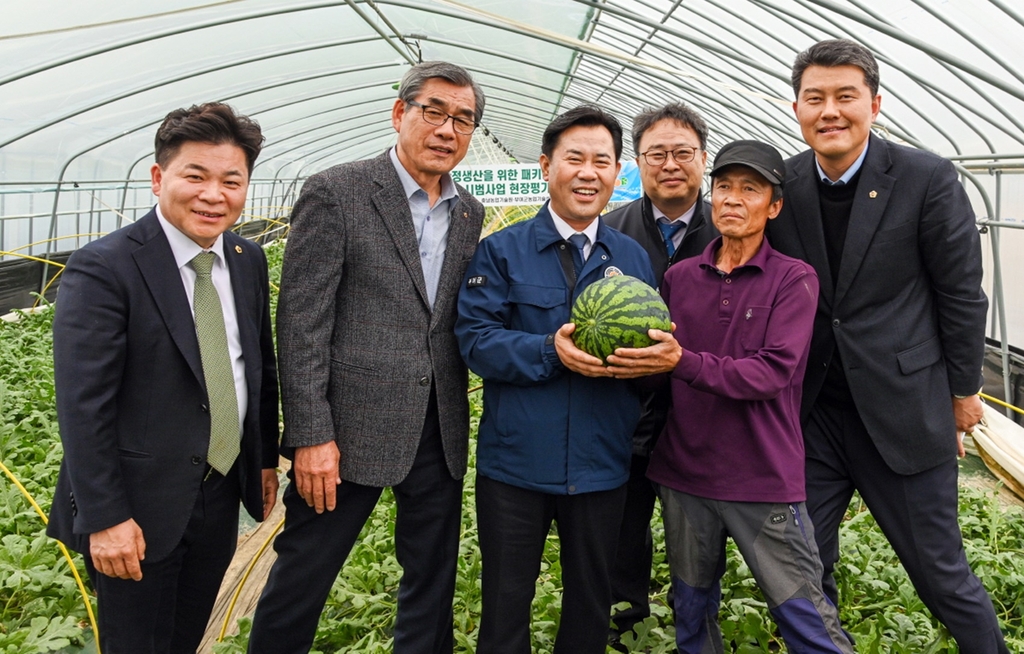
<point x="64" y="551"/>
<point x="245" y="577"/>
<point x="989" y="398"/>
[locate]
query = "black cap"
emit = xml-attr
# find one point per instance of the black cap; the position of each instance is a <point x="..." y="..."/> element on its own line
<point x="757" y="155"/>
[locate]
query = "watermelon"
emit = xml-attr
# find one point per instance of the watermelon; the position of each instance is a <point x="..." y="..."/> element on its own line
<point x="617" y="312"/>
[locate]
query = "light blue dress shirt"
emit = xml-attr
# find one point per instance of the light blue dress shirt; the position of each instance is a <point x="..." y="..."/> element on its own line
<point x="850" y="172"/>
<point x="430" y="222"/>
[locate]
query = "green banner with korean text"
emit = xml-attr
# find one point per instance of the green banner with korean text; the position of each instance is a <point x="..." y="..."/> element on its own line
<point x="518" y="184"/>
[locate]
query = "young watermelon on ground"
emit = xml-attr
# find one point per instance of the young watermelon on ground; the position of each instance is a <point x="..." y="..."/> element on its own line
<point x="617" y="312"/>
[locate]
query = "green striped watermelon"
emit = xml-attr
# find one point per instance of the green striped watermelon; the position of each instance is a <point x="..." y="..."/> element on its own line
<point x="617" y="312"/>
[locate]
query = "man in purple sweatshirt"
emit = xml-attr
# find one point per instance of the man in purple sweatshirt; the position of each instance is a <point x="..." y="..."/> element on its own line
<point x="731" y="459"/>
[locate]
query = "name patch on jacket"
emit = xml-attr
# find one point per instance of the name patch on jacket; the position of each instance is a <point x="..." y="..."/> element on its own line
<point x="478" y="280"/>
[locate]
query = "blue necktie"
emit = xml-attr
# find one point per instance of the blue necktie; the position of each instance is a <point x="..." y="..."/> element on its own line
<point x="668" y="230"/>
<point x="579" y="241"/>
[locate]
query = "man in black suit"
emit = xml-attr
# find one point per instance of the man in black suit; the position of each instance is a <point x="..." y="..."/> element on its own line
<point x="895" y="361"/>
<point x="672" y="222"/>
<point x="167" y="390"/>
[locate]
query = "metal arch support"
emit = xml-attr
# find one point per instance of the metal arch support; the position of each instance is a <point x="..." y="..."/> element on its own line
<point x="376" y="28"/>
<point x="997" y="291"/>
<point x="349" y="128"/>
<point x="940" y="93"/>
<point x="258" y="89"/>
<point x="159" y="34"/>
<point x="670" y="82"/>
<point x="72" y="158"/>
<point x="666" y="28"/>
<point x="179" y="78"/>
<point x="711" y="46"/>
<point x="775" y="128"/>
<point x="937" y="93"/>
<point x="923" y="46"/>
<point x="282" y="139"/>
<point x="964" y="34"/>
<point x="831" y="22"/>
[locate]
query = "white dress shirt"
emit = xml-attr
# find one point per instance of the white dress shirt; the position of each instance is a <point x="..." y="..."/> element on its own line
<point x="565" y="231"/>
<point x="184" y="250"/>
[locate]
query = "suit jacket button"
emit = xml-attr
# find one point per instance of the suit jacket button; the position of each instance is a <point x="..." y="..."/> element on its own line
<point x="424" y="381"/>
<point x="835" y="323"/>
<point x="196" y="460"/>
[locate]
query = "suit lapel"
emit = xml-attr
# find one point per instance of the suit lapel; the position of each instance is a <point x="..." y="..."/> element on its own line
<point x="801" y="194"/>
<point x="240" y="266"/>
<point x="393" y="207"/>
<point x="873" y="192"/>
<point x="160" y="272"/>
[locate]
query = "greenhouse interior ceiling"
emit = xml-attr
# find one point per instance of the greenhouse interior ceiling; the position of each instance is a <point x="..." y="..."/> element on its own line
<point x="83" y="85"/>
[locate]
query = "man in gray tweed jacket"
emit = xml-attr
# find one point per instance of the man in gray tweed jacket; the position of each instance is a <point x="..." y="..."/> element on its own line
<point x="372" y="383"/>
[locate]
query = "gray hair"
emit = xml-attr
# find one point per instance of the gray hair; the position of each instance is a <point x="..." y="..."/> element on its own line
<point x="414" y="79"/>
<point x="836" y="52"/>
<point x="676" y="111"/>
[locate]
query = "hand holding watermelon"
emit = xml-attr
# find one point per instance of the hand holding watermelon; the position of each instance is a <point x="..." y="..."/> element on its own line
<point x="661" y="357"/>
<point x="576" y="359"/>
<point x="621" y="312"/>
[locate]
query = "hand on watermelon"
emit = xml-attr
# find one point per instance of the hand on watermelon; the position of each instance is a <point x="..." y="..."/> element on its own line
<point x="574" y="358"/>
<point x="630" y="362"/>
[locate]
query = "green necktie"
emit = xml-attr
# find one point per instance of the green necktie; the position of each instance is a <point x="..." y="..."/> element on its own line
<point x="220" y="379"/>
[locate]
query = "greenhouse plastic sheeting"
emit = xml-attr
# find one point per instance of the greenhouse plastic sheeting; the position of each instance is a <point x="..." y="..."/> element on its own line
<point x="83" y="84"/>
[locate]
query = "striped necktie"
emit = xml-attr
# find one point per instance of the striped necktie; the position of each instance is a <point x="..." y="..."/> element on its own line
<point x="220" y="379"/>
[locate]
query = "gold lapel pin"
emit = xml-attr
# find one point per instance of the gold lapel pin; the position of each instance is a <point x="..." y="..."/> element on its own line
<point x="465" y="215"/>
<point x="238" y="248"/>
<point x="873" y="194"/>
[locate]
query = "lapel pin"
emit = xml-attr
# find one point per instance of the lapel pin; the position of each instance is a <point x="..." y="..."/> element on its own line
<point x="238" y="248"/>
<point x="873" y="194"/>
<point x="465" y="215"/>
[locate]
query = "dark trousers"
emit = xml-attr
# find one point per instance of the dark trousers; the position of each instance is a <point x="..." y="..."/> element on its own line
<point x="513" y="525"/>
<point x="313" y="547"/>
<point x="631" y="569"/>
<point x="917" y="513"/>
<point x="168" y="609"/>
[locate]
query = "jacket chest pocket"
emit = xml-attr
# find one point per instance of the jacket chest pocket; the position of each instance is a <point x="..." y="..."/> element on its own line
<point x="538" y="309"/>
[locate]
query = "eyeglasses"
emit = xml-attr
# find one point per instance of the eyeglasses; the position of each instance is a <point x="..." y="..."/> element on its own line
<point x="436" y="117"/>
<point x="679" y="155"/>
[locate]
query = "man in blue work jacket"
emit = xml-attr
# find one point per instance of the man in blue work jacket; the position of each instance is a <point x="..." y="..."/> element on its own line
<point x="555" y="438"/>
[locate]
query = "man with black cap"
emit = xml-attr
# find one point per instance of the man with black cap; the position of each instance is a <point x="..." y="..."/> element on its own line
<point x="731" y="459"/>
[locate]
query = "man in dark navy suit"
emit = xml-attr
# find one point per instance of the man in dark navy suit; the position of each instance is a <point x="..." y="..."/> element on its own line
<point x="895" y="361"/>
<point x="167" y="390"/>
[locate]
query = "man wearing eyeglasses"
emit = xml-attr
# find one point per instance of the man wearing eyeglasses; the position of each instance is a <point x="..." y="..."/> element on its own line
<point x="671" y="222"/>
<point x="372" y="383"/>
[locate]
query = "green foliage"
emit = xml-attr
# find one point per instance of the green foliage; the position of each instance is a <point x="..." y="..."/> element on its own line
<point x="40" y="607"/>
<point x="41" y="611"/>
<point x="497" y="218"/>
<point x="275" y="257"/>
